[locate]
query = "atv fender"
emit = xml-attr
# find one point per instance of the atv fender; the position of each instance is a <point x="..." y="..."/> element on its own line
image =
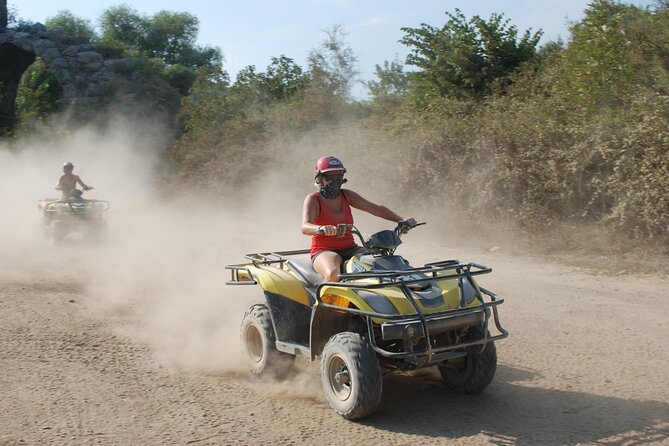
<point x="324" y="324"/>
<point x="280" y="282"/>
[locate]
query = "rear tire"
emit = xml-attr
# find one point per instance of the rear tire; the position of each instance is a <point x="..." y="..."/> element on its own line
<point x="258" y="345"/>
<point x="474" y="372"/>
<point x="350" y="376"/>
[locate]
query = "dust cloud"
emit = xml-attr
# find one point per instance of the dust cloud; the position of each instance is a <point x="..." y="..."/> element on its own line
<point x="161" y="274"/>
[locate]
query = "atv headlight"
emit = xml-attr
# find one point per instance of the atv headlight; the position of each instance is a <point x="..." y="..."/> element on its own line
<point x="378" y="302"/>
<point x="333" y="299"/>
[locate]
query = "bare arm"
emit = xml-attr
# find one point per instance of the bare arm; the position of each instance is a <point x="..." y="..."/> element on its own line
<point x="309" y="212"/>
<point x="358" y="202"/>
<point x="78" y="180"/>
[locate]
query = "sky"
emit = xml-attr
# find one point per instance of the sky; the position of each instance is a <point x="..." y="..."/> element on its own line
<point x="251" y="32"/>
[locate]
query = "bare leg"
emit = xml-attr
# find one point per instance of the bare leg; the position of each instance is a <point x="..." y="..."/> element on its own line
<point x="328" y="265"/>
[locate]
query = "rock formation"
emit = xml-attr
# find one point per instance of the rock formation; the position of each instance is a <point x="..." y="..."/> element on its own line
<point x="83" y="74"/>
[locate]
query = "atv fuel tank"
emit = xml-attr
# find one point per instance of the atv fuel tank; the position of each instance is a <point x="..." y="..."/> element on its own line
<point x="368" y="262"/>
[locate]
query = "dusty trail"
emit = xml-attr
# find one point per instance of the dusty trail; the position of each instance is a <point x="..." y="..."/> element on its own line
<point x="586" y="363"/>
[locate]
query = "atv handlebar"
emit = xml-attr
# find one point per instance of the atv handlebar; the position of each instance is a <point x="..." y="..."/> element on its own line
<point x="404" y="226"/>
<point x="382" y="242"/>
<point x="343" y="229"/>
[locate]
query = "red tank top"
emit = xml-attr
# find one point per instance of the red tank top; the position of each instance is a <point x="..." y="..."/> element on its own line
<point x="327" y="217"/>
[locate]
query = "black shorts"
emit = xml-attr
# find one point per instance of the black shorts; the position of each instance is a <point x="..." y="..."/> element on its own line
<point x="345" y="253"/>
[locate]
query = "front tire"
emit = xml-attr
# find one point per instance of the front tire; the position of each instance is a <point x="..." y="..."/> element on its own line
<point x="258" y="344"/>
<point x="57" y="231"/>
<point x="474" y="372"/>
<point x="46" y="227"/>
<point x="351" y="376"/>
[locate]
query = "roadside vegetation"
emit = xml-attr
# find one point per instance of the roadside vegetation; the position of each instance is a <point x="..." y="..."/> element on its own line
<point x="571" y="132"/>
<point x="478" y="118"/>
<point x="161" y="49"/>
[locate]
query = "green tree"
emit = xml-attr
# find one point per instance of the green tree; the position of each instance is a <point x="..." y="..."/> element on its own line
<point x="122" y="26"/>
<point x="168" y="36"/>
<point x="180" y="77"/>
<point x="70" y="25"/>
<point x="207" y="102"/>
<point x="200" y="56"/>
<point x="332" y="66"/>
<point x="284" y="78"/>
<point x="391" y="86"/>
<point x="248" y="93"/>
<point x="171" y="36"/>
<point x="467" y="58"/>
<point x="251" y="93"/>
<point x="597" y="64"/>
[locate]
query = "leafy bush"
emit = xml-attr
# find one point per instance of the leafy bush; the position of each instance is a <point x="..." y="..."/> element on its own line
<point x="466" y="58"/>
<point x="69" y="25"/>
<point x="37" y="93"/>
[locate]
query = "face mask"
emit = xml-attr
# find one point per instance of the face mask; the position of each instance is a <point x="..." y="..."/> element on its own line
<point x="331" y="190"/>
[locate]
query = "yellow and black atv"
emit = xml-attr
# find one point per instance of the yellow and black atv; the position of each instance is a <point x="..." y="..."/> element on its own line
<point x="74" y="214"/>
<point x="383" y="316"/>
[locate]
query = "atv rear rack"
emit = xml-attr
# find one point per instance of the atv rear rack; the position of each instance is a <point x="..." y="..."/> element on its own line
<point x="267" y="258"/>
<point x="258" y="259"/>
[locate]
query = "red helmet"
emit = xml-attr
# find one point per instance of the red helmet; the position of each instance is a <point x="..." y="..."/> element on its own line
<point x="328" y="164"/>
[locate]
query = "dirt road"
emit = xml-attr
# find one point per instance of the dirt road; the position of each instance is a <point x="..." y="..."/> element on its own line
<point x="91" y="358"/>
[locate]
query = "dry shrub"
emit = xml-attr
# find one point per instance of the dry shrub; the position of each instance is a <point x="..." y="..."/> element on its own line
<point x="533" y="162"/>
<point x="640" y="169"/>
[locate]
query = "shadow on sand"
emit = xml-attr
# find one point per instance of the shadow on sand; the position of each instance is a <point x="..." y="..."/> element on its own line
<point x="511" y="413"/>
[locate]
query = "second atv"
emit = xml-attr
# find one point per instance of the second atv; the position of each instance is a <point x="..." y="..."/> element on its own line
<point x="383" y="316"/>
<point x="74" y="214"/>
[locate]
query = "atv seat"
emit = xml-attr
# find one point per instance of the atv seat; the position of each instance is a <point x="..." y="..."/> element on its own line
<point x="305" y="271"/>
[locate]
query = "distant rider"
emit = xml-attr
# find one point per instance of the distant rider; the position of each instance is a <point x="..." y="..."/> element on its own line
<point x="68" y="182"/>
<point x="330" y="206"/>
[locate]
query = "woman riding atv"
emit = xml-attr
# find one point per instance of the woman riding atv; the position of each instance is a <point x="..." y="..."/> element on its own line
<point x="329" y="207"/>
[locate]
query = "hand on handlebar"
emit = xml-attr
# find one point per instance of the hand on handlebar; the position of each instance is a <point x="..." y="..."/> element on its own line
<point x="407" y="224"/>
<point x="334" y="231"/>
<point x="327" y="230"/>
<point x="88" y="188"/>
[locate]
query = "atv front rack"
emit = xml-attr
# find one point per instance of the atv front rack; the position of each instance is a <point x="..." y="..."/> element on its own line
<point x="47" y="205"/>
<point x="419" y="325"/>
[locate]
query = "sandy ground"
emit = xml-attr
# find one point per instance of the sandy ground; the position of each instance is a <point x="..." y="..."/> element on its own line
<point x="84" y="362"/>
